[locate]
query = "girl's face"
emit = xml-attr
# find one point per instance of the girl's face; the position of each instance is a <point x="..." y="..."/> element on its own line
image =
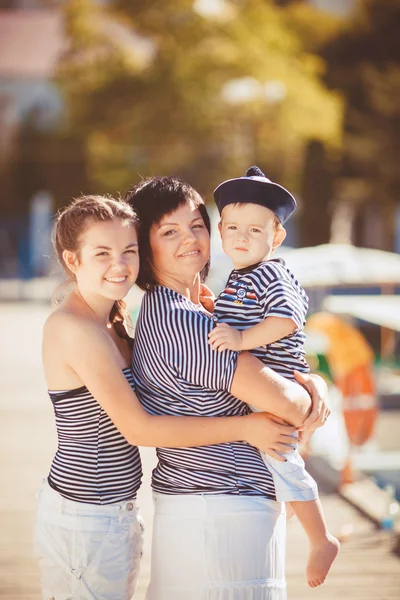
<point x="108" y="262"/>
<point x="180" y="245"/>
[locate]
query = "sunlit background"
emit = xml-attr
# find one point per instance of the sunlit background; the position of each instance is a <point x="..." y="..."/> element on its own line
<point x="95" y="95"/>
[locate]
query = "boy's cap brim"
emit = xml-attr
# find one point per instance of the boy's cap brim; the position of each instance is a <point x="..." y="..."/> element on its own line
<point x="256" y="190"/>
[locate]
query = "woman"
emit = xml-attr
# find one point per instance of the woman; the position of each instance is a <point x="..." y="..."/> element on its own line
<point x="88" y="533"/>
<point x="219" y="533"/>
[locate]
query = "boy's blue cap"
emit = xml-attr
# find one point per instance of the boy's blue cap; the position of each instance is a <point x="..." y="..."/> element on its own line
<point x="255" y="188"/>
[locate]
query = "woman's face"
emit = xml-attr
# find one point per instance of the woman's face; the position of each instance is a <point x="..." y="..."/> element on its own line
<point x="180" y="245"/>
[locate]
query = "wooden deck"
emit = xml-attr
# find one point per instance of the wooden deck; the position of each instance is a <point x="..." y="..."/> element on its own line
<point x="366" y="569"/>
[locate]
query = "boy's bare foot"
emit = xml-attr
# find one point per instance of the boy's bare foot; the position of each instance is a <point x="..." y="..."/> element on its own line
<point x="320" y="560"/>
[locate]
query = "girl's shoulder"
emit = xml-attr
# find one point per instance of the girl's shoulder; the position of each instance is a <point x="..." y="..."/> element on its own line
<point x="63" y="317"/>
<point x="65" y="326"/>
<point x="64" y="342"/>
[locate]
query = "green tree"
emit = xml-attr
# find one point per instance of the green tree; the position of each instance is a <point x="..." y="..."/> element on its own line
<point x="146" y="80"/>
<point x="364" y="64"/>
<point x="41" y="160"/>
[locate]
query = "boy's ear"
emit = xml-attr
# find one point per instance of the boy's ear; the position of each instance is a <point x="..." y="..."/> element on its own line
<point x="220" y="228"/>
<point x="279" y="236"/>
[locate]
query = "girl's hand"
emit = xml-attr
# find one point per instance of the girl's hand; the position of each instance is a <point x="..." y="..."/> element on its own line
<point x="225" y="337"/>
<point x="207" y="298"/>
<point x="318" y="390"/>
<point x="270" y="434"/>
<point x="305" y="436"/>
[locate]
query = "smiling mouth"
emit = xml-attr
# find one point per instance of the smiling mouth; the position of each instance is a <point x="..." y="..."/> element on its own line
<point x="191" y="253"/>
<point x="116" y="279"/>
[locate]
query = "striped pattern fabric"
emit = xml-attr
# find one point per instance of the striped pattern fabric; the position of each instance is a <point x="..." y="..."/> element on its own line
<point x="177" y="373"/>
<point x="94" y="463"/>
<point x="268" y="289"/>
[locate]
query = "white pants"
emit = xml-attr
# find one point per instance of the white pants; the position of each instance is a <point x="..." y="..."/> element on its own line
<point x="217" y="548"/>
<point x="87" y="551"/>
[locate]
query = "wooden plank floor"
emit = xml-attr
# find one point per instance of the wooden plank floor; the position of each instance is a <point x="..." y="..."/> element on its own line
<point x="365" y="570"/>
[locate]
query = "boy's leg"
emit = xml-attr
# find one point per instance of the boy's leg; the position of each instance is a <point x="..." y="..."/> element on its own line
<point x="323" y="546"/>
<point x="297" y="488"/>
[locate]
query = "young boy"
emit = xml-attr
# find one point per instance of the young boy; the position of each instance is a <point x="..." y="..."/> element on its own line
<point x="263" y="309"/>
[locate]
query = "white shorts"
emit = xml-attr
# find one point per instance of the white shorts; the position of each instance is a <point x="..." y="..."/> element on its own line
<point x="87" y="551"/>
<point x="292" y="481"/>
<point x="217" y="548"/>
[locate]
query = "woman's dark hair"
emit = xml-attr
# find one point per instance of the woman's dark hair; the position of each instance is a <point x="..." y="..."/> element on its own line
<point x="151" y="200"/>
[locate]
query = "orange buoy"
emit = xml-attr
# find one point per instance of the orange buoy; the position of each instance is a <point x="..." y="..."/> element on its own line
<point x="350" y="360"/>
<point x="360" y="406"/>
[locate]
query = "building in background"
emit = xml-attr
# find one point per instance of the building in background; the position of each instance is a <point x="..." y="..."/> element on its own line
<point x="31" y="42"/>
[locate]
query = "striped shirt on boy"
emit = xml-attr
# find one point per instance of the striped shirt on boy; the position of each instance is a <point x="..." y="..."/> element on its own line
<point x="267" y="289"/>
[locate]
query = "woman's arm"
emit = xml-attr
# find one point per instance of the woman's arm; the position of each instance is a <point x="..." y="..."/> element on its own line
<point x="91" y="354"/>
<point x="258" y="385"/>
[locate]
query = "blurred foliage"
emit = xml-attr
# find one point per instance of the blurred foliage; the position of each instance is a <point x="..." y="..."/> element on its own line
<point x="364" y="65"/>
<point x="54" y="161"/>
<point x="318" y="175"/>
<point x="144" y="82"/>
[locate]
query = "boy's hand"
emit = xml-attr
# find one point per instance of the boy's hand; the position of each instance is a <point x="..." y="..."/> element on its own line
<point x="207" y="298"/>
<point x="224" y="337"/>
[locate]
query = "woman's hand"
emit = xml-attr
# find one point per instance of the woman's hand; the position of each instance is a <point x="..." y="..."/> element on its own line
<point x="320" y="409"/>
<point x="207" y="298"/>
<point x="270" y="434"/>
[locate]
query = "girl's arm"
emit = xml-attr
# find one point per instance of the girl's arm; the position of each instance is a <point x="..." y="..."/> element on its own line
<point x="91" y="354"/>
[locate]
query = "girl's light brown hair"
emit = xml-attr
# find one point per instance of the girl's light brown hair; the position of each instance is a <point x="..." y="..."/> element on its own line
<point x="71" y="223"/>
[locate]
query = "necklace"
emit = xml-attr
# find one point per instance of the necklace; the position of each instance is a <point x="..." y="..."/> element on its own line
<point x="77" y="292"/>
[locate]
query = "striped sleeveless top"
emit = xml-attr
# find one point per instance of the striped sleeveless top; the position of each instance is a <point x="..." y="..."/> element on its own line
<point x="177" y="373"/>
<point x="94" y="463"/>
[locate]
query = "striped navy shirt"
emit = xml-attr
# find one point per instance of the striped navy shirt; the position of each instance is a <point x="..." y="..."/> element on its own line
<point x="94" y="463"/>
<point x="267" y="289"/>
<point x="177" y="373"/>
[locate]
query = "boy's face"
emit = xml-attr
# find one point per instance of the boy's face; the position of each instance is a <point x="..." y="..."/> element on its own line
<point x="249" y="233"/>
